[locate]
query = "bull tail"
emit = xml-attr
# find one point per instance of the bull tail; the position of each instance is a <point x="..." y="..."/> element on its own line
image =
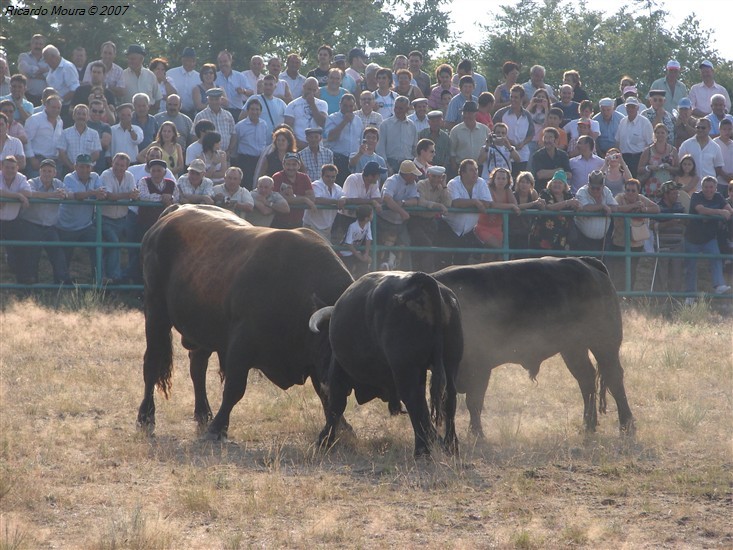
<point x="158" y="361"/>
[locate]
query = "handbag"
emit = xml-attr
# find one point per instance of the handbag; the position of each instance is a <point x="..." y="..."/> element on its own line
<point x="640" y="232"/>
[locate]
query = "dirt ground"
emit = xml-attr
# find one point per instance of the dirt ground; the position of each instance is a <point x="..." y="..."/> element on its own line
<point x="75" y="472"/>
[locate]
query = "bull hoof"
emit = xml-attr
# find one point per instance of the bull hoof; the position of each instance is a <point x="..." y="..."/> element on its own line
<point x="214" y="436"/>
<point x="202" y="422"/>
<point x="345" y="426"/>
<point x="326" y="439"/>
<point x="450" y="446"/>
<point x="146" y="425"/>
<point x="628" y="429"/>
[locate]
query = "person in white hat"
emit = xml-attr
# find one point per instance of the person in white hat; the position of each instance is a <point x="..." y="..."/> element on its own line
<point x="634" y="134"/>
<point x="674" y="89"/>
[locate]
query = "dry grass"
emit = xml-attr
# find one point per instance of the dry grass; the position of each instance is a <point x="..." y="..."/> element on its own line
<point x="74" y="473"/>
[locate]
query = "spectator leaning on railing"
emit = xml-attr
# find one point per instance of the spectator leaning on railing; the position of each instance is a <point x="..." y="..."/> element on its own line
<point x="702" y="235"/>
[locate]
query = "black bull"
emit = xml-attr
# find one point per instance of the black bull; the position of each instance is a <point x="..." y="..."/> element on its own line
<point x="386" y="331"/>
<point x="243" y="292"/>
<point x="526" y="311"/>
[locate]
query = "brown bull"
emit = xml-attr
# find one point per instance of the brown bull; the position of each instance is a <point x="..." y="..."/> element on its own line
<point x="243" y="292"/>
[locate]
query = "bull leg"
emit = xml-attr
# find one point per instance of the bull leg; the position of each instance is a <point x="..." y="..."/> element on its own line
<point x="157" y="363"/>
<point x="475" y="393"/>
<point x="338" y="392"/>
<point x="582" y="369"/>
<point x="412" y="392"/>
<point x="323" y="396"/>
<point x="235" y="385"/>
<point x="198" y="364"/>
<point x="450" y="443"/>
<point x="612" y="377"/>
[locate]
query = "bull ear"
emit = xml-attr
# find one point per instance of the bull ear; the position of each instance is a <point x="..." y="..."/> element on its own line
<point x="319" y="317"/>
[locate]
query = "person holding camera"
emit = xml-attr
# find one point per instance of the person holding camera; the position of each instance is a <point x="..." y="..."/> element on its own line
<point x="497" y="151"/>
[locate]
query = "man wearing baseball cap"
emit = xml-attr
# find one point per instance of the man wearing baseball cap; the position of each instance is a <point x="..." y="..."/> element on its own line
<point x="674" y="89"/>
<point x="684" y="122"/>
<point x="702" y="92"/>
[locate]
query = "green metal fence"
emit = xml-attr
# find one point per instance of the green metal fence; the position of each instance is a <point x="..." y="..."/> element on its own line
<point x="506" y="252"/>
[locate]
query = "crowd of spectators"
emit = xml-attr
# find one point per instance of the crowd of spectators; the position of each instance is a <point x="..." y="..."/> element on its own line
<point x="351" y="140"/>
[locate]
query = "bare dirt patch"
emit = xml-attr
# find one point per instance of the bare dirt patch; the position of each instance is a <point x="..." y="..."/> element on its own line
<point x="75" y="473"/>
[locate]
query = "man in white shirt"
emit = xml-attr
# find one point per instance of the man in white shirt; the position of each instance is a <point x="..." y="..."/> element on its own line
<point x="702" y="92"/>
<point x="306" y="112"/>
<point x="44" y="131"/>
<point x="634" y="134"/>
<point x="126" y="136"/>
<point x="707" y="154"/>
<point x="120" y="186"/>
<point x="62" y="76"/>
<point x="292" y="75"/>
<point x="469" y="191"/>
<point x="185" y="78"/>
<point x="139" y="79"/>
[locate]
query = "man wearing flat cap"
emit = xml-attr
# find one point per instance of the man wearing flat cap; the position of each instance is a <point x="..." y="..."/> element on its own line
<point x="468" y="137"/>
<point x="440" y="137"/>
<point x="673" y="88"/>
<point x="420" y="116"/>
<point x="222" y="119"/>
<point x="608" y="121"/>
<point x="139" y="79"/>
<point x="185" y="78"/>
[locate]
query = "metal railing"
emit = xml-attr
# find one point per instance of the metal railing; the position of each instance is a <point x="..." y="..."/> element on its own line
<point x="505" y="251"/>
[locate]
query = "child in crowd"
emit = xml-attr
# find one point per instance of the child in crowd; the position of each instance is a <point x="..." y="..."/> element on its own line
<point x="359" y="234"/>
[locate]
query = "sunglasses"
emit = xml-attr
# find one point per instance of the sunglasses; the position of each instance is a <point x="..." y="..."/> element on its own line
<point x="96" y="112"/>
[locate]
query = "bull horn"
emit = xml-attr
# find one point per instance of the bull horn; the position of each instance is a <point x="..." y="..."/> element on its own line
<point x="319" y="316"/>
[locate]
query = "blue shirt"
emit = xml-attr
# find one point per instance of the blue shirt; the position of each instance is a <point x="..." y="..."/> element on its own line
<point x="332" y="100"/>
<point x="251" y="138"/>
<point x="27" y="106"/>
<point x="607" y="139"/>
<point x="350" y="138"/>
<point x="73" y="217"/>
<point x="150" y="130"/>
<point x="454" y="113"/>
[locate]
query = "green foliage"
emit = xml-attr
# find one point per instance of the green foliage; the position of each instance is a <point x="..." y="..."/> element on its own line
<point x="636" y="40"/>
<point x="560" y="35"/>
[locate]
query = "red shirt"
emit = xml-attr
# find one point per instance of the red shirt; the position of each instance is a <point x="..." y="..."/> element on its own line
<point x="301" y="185"/>
<point x="485" y="118"/>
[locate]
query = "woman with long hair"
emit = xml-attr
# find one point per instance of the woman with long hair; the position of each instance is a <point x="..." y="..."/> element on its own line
<point x="490" y="227"/>
<point x="687" y="175"/>
<point x="167" y="140"/>
<point x="214" y="158"/>
<point x="658" y="163"/>
<point x="527" y="199"/>
<point x="283" y="142"/>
